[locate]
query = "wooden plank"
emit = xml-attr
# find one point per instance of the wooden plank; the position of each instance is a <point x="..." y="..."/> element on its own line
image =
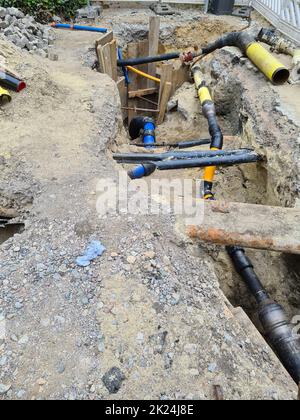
<point x="180" y="75"/>
<point x="166" y="76"/>
<point x="109" y="58"/>
<point x="250" y="226"/>
<point x="113" y="57"/>
<point x="143" y="52"/>
<point x="105" y="39"/>
<point x="122" y="88"/>
<point x="133" y="52"/>
<point x="101" y="59"/>
<point x="154" y="26"/>
<point x="163" y="102"/>
<point x="142" y="92"/>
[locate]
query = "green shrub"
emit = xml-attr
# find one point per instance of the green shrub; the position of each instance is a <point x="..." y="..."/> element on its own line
<point x="40" y="8"/>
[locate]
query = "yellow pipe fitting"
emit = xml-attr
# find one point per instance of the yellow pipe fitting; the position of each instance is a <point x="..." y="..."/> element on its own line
<point x="267" y="64"/>
<point x="5" y="96"/>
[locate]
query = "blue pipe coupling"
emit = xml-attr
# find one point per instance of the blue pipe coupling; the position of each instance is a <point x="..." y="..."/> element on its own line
<point x="145" y="127"/>
<point x="142" y="170"/>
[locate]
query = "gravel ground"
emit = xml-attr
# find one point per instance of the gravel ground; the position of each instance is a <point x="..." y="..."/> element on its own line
<point x="148" y="318"/>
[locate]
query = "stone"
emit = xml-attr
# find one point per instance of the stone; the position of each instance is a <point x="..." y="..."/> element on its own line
<point x="4" y="24"/>
<point x="56" y="19"/>
<point x="13" y="11"/>
<point x="3" y="12"/>
<point x="4" y="389"/>
<point x="150" y="255"/>
<point x="131" y="259"/>
<point x="113" y="380"/>
<point x="21" y="394"/>
<point x="24" y="340"/>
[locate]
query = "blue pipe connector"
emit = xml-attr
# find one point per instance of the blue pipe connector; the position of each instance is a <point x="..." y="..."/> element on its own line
<point x="144" y="126"/>
<point x="141" y="171"/>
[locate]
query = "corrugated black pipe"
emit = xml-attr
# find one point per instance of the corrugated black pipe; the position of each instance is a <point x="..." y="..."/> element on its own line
<point x="279" y="331"/>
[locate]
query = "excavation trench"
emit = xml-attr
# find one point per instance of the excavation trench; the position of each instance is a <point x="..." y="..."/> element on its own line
<point x="250" y="183"/>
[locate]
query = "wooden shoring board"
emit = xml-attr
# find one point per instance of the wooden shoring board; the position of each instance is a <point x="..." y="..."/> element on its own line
<point x="250" y="226"/>
<point x="166" y="75"/>
<point x="123" y="92"/>
<point x="132" y="52"/>
<point x="166" y="93"/>
<point x="180" y="75"/>
<point x="105" y="39"/>
<point x="142" y="92"/>
<point x="154" y="26"/>
<point x="107" y="57"/>
<point x="137" y="82"/>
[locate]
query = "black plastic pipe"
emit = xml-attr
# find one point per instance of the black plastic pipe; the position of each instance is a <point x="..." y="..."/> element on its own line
<point x="151" y="157"/>
<point x="244" y="267"/>
<point x="208" y="161"/>
<point x="192" y="143"/>
<point x="278" y="330"/>
<point x="181" y="145"/>
<point x="11" y="82"/>
<point x="146" y="169"/>
<point x="150" y="59"/>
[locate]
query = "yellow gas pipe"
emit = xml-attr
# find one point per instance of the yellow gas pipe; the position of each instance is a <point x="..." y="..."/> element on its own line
<point x="205" y="99"/>
<point x="5" y="96"/>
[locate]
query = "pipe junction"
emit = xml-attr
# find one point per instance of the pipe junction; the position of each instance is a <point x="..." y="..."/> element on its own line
<point x="275" y="71"/>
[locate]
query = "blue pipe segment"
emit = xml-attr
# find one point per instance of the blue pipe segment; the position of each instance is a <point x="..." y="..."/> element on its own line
<point x="148" y="137"/>
<point x="142" y="170"/>
<point x="124" y="69"/>
<point x="137" y="172"/>
<point x="144" y="126"/>
<point x="79" y="27"/>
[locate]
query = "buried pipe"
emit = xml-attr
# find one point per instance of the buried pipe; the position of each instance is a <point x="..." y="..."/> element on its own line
<point x="11" y="82"/>
<point x="5" y="96"/>
<point x="143" y="74"/>
<point x="209" y="112"/>
<point x="185" y="57"/>
<point x="78" y="27"/>
<point x="275" y="71"/>
<point x="124" y="69"/>
<point x="151" y="157"/>
<point x="279" y="331"/>
<point x="145" y="127"/>
<point x="147" y="169"/>
<point x="282" y="46"/>
<point x="180" y="145"/>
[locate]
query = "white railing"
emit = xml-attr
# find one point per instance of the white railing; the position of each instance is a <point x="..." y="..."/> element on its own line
<point x="283" y="14"/>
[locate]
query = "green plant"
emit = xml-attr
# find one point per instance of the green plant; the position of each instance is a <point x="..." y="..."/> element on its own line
<point x="65" y="8"/>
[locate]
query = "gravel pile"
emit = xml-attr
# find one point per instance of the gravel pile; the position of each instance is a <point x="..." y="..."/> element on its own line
<point x="24" y="31"/>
